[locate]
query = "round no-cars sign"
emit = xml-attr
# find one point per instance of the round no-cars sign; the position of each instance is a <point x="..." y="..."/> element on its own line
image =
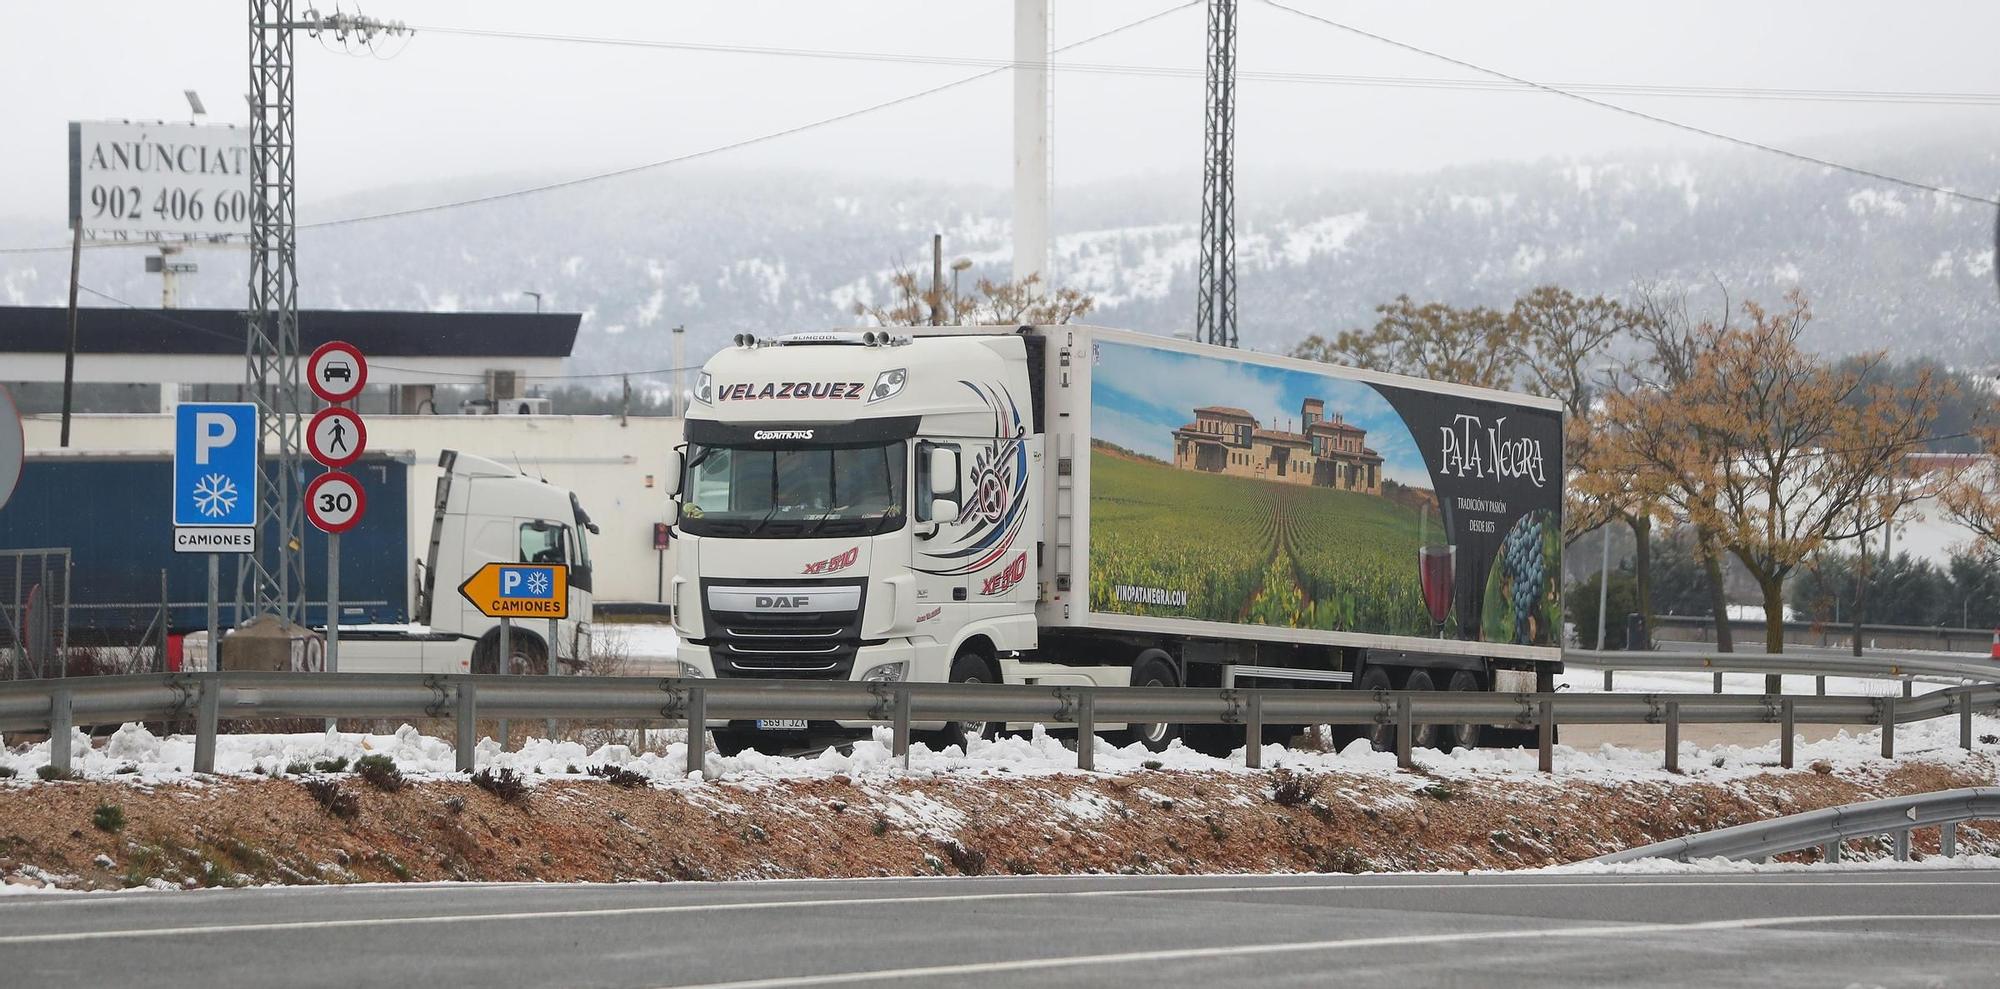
<point x="334" y="502"/>
<point x="336" y="436"/>
<point x="336" y="371"/>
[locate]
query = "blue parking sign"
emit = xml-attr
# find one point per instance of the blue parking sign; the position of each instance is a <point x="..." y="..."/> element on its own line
<point x="215" y="464"/>
<point x="527" y="582"/>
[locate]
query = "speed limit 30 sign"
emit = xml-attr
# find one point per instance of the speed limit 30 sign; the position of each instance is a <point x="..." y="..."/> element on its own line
<point x="335" y="502"/>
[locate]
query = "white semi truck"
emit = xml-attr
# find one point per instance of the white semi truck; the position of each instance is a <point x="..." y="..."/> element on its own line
<point x="1086" y="506"/>
<point x="484" y="512"/>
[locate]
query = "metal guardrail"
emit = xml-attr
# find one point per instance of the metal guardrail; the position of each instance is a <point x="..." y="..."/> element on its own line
<point x="60" y="705"/>
<point x="1829" y="828"/>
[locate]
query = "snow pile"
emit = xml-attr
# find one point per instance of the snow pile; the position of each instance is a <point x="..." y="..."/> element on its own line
<point x="136" y="753"/>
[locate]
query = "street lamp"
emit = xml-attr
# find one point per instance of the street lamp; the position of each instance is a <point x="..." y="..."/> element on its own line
<point x="538" y="299"/>
<point x="957" y="266"/>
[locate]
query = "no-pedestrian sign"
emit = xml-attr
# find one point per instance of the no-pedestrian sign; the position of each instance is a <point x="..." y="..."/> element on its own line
<point x="519" y="590"/>
<point x="336" y="436"/>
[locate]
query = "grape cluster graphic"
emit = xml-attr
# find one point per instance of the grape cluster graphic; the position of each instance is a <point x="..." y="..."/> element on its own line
<point x="1526" y="567"/>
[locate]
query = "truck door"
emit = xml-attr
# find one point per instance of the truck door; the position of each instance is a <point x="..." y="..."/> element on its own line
<point x="979" y="554"/>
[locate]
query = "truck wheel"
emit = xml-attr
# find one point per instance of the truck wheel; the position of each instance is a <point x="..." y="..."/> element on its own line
<point x="1464" y="736"/>
<point x="969" y="667"/>
<point x="530" y="655"/>
<point x="1422" y="736"/>
<point x="1153" y="669"/>
<point x="1382" y="737"/>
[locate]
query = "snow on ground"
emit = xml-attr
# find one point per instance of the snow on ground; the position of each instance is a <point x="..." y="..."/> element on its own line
<point x="136" y="754"/>
<point x="1582" y="680"/>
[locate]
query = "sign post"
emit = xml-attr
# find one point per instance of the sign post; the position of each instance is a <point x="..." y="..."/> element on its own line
<point x="336" y="372"/>
<point x="215" y="492"/>
<point x="521" y="590"/>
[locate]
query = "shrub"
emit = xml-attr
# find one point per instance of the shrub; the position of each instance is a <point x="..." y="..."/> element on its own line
<point x="8" y="772"/>
<point x="1152" y="764"/>
<point x="109" y="818"/>
<point x="338" y="765"/>
<point x="50" y="772"/>
<point x="505" y="784"/>
<point x="1439" y="791"/>
<point x="380" y="771"/>
<point x="619" y="776"/>
<point x="333" y="799"/>
<point x="297" y="768"/>
<point x="1983" y="740"/>
<point x="1293" y="789"/>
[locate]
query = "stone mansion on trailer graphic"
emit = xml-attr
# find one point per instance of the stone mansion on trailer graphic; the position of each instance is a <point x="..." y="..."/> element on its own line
<point x="1329" y="453"/>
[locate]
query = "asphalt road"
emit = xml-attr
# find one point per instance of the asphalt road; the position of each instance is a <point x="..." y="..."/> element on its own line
<point x="1901" y="928"/>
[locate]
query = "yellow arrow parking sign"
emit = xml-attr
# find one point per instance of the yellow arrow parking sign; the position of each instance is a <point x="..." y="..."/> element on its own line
<point x="519" y="590"/>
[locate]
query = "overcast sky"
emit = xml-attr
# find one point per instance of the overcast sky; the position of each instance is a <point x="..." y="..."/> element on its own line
<point x="447" y="106"/>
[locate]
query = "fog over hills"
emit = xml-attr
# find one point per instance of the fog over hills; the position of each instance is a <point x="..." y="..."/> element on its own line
<point x="724" y="252"/>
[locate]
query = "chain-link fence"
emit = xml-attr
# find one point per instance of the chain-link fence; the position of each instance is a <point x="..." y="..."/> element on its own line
<point x="34" y="612"/>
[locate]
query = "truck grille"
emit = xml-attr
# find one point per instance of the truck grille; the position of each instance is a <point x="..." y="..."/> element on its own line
<point x="811" y="645"/>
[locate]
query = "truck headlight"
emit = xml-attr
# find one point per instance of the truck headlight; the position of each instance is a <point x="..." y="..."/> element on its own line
<point x="690" y="670"/>
<point x="887" y="385"/>
<point x="885" y="673"/>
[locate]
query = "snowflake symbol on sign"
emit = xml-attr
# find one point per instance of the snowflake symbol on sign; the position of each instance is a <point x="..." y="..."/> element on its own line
<point x="538" y="582"/>
<point x="215" y="495"/>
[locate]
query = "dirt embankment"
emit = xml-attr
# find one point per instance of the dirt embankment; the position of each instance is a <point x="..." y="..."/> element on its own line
<point x="234" y="831"/>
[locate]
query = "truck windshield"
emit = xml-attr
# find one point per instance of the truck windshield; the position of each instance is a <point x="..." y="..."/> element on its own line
<point x="795" y="492"/>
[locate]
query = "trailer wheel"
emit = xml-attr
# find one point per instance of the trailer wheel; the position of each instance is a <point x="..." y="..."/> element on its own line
<point x="969" y="667"/>
<point x="1382" y="737"/>
<point x="1154" y="669"/>
<point x="530" y="656"/>
<point x="1462" y="736"/>
<point x="1422" y="736"/>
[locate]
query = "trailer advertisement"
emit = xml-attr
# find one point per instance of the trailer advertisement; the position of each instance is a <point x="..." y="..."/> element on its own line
<point x="1260" y="492"/>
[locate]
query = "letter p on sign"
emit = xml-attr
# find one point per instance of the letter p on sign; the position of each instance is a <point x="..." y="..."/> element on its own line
<point x="212" y="430"/>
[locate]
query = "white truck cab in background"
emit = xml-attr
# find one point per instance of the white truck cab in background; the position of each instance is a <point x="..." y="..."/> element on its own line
<point x="484" y="512"/>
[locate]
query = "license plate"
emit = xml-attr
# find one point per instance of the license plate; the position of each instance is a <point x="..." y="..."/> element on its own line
<point x="786" y="724"/>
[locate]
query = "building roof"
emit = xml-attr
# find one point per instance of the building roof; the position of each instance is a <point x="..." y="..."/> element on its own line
<point x="1226" y="410"/>
<point x="1338" y="426"/>
<point x="220" y="332"/>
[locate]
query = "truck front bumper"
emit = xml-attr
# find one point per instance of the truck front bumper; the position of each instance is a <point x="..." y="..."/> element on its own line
<point x="868" y="659"/>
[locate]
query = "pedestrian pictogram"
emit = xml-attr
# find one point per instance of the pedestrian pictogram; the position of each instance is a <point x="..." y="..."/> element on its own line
<point x="519" y="590"/>
<point x="335" y="502"/>
<point x="336" y="436"/>
<point x="336" y="371"/>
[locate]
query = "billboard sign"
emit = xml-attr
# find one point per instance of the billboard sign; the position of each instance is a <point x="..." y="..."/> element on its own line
<point x="158" y="181"/>
<point x="1257" y="492"/>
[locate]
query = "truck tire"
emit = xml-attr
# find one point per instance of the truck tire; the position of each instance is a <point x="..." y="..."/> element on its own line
<point x="1381" y="737"/>
<point x="1152" y="669"/>
<point x="531" y="657"/>
<point x="1422" y="736"/>
<point x="969" y="667"/>
<point x="1461" y="736"/>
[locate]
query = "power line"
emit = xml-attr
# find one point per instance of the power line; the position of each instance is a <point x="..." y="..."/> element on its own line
<point x="683" y="158"/>
<point x="1630" y="112"/>
<point x="1947" y="98"/>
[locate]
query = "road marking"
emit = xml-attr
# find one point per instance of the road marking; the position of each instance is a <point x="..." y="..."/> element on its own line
<point x="462" y="918"/>
<point x="1396" y="941"/>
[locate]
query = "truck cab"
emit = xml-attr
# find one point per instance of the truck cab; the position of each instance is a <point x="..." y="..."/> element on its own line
<point x="855" y="506"/>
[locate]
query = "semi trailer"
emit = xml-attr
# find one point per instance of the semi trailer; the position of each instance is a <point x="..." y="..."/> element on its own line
<point x="1076" y="505"/>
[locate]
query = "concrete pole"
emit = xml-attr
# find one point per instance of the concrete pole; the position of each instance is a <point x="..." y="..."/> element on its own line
<point x="1031" y="138"/>
<point x="1603" y="581"/>
<point x="679" y="372"/>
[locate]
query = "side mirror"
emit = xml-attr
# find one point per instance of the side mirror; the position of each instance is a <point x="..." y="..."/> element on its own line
<point x="944" y="474"/>
<point x="944" y="510"/>
<point x="672" y="513"/>
<point x="676" y="463"/>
